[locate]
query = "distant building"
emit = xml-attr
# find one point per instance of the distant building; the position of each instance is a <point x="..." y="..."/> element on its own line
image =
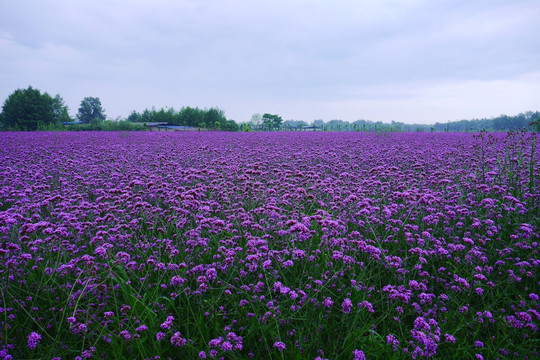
<point x="311" y="128"/>
<point x="155" y="125"/>
<point x="178" y="128"/>
<point x="164" y="126"/>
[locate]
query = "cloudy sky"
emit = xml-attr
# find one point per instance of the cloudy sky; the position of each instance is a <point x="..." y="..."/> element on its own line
<point x="411" y="60"/>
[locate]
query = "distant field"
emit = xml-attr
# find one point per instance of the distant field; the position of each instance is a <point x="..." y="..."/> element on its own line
<point x="269" y="245"/>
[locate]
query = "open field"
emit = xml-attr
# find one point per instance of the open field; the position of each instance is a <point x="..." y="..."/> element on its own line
<point x="269" y="245"/>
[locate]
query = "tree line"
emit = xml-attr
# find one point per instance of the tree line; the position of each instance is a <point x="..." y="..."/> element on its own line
<point x="527" y="121"/>
<point x="30" y="109"/>
<point x="212" y="118"/>
<point x="522" y="121"/>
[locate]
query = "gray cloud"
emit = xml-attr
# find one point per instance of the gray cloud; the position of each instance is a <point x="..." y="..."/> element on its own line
<point x="301" y="59"/>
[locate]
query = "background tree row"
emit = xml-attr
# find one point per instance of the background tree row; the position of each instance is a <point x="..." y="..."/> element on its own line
<point x="29" y="109"/>
<point x="212" y="118"/>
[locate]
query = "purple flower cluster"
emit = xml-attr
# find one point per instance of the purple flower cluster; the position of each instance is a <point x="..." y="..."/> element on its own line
<point x="33" y="340"/>
<point x="205" y="244"/>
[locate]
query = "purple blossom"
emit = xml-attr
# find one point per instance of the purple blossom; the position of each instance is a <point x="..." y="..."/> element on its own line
<point x="449" y="338"/>
<point x="141" y="328"/>
<point x="359" y="355"/>
<point x="177" y="340"/>
<point x="280" y="346"/>
<point x="327" y="302"/>
<point x="33" y="340"/>
<point x="125" y="334"/>
<point x="417" y="226"/>
<point x="346" y="306"/>
<point x="160" y="335"/>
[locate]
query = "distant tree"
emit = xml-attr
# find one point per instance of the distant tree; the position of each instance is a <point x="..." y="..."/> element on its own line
<point x="271" y="121"/>
<point x="231" y="125"/>
<point x="191" y="116"/>
<point x="59" y="109"/>
<point x="294" y="124"/>
<point x="318" y="123"/>
<point x="256" y="120"/>
<point x="267" y="121"/>
<point x="213" y="116"/>
<point x="147" y="116"/>
<point x="134" y="116"/>
<point x="535" y="125"/>
<point x="165" y="115"/>
<point x="28" y="109"/>
<point x="90" y="109"/>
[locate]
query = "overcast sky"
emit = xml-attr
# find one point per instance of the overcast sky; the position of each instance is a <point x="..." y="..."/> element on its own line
<point x="412" y="61"/>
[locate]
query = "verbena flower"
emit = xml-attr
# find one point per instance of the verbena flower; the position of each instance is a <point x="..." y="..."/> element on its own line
<point x="33" y="340"/>
<point x="346" y="306"/>
<point x="359" y="355"/>
<point x="178" y="340"/>
<point x="280" y="346"/>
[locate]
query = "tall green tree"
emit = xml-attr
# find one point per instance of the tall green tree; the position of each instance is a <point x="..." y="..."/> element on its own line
<point x="147" y="115"/>
<point x="134" y="116"/>
<point x="213" y="116"/>
<point x="60" y="109"/>
<point x="271" y="121"/>
<point x="29" y="109"/>
<point x="90" y="109"/>
<point x="191" y="116"/>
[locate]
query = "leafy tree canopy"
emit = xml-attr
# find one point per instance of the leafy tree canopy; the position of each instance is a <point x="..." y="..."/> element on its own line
<point x="90" y="109"/>
<point x="271" y="121"/>
<point x="214" y="116"/>
<point x="29" y="109"/>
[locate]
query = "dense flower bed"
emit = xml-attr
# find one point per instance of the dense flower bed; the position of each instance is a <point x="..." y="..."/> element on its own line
<point x="269" y="245"/>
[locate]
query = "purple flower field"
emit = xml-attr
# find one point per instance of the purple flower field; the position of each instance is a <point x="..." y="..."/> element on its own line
<point x="269" y="245"/>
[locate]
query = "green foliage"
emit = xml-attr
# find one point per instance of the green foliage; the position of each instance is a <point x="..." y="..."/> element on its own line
<point x="294" y="124"/>
<point x="29" y="109"/>
<point x="502" y="123"/>
<point x="212" y="118"/>
<point x="535" y="125"/>
<point x="133" y="117"/>
<point x="231" y="125"/>
<point x="499" y="123"/>
<point x="90" y="109"/>
<point x="60" y="110"/>
<point x="271" y="121"/>
<point x="107" y="125"/>
<point x="189" y="116"/>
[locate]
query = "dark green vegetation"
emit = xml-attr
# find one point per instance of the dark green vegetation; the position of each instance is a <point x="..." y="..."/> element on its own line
<point x="90" y="109"/>
<point x="499" y="123"/>
<point x="29" y="110"/>
<point x="212" y="118"/>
